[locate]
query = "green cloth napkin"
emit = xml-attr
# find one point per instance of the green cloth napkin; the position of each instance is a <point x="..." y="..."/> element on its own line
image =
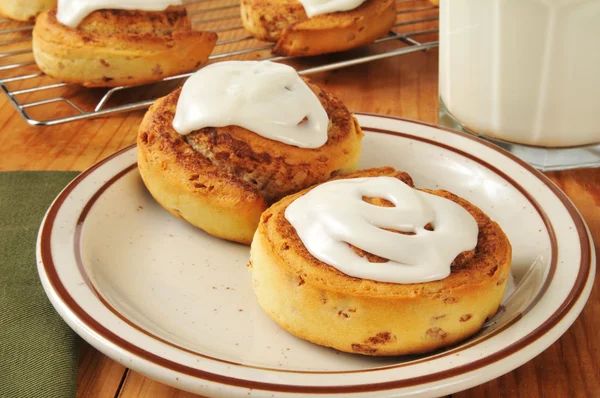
<point x="38" y="351"/>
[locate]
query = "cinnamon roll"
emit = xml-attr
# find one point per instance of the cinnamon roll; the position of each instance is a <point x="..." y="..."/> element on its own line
<point x="368" y="264"/>
<point x="24" y="10"/>
<point x="266" y="133"/>
<point x="111" y="47"/>
<point x="310" y="27"/>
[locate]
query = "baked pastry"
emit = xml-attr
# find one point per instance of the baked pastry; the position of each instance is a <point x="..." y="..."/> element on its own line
<point x="317" y="302"/>
<point x="286" y="23"/>
<point x="112" y="48"/>
<point x="24" y="10"/>
<point x="221" y="179"/>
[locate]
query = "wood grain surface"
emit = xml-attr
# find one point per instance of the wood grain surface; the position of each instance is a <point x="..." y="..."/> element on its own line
<point x="404" y="86"/>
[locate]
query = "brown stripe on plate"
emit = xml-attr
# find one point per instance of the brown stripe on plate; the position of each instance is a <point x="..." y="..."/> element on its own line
<point x="574" y="294"/>
<point x="83" y="215"/>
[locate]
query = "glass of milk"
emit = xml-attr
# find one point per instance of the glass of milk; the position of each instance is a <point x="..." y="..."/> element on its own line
<point x="526" y="75"/>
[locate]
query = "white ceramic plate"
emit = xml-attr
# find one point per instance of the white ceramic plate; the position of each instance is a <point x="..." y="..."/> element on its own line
<point x="176" y="304"/>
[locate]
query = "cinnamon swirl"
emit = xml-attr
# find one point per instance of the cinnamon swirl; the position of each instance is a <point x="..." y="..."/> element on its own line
<point x="286" y="23"/>
<point x="314" y="300"/>
<point x="120" y="47"/>
<point x="221" y="179"/>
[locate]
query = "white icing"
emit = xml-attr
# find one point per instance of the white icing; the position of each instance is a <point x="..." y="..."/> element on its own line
<point x="267" y="98"/>
<point x="72" y="12"/>
<point x="334" y="214"/>
<point x="316" y="7"/>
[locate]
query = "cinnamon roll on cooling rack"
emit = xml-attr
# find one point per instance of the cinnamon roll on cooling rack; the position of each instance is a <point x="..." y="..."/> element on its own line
<point x="24" y="10"/>
<point x="367" y="264"/>
<point x="238" y="137"/>
<point x="120" y="44"/>
<point x="312" y="27"/>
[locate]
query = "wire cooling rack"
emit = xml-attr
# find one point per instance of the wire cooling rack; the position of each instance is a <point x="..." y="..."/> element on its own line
<point x="35" y="94"/>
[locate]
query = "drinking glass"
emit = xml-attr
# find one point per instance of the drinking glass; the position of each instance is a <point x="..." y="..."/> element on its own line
<point x="524" y="74"/>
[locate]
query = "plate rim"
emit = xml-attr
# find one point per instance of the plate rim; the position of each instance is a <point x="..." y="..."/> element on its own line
<point x="585" y="270"/>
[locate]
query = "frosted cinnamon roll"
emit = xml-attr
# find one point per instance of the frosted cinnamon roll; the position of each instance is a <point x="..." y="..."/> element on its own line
<point x="312" y="27"/>
<point x="24" y="10"/>
<point x="368" y="264"/>
<point x="239" y="136"/>
<point x="108" y="43"/>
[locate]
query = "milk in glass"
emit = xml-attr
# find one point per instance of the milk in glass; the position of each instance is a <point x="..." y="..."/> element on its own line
<point x="523" y="71"/>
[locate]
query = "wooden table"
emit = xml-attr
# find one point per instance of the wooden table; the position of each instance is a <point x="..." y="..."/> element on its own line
<point x="404" y="86"/>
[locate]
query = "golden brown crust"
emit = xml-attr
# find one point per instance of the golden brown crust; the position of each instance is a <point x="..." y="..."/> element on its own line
<point x="229" y="174"/>
<point x="117" y="47"/>
<point x="286" y="23"/>
<point x="24" y="10"/>
<point x="416" y="317"/>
